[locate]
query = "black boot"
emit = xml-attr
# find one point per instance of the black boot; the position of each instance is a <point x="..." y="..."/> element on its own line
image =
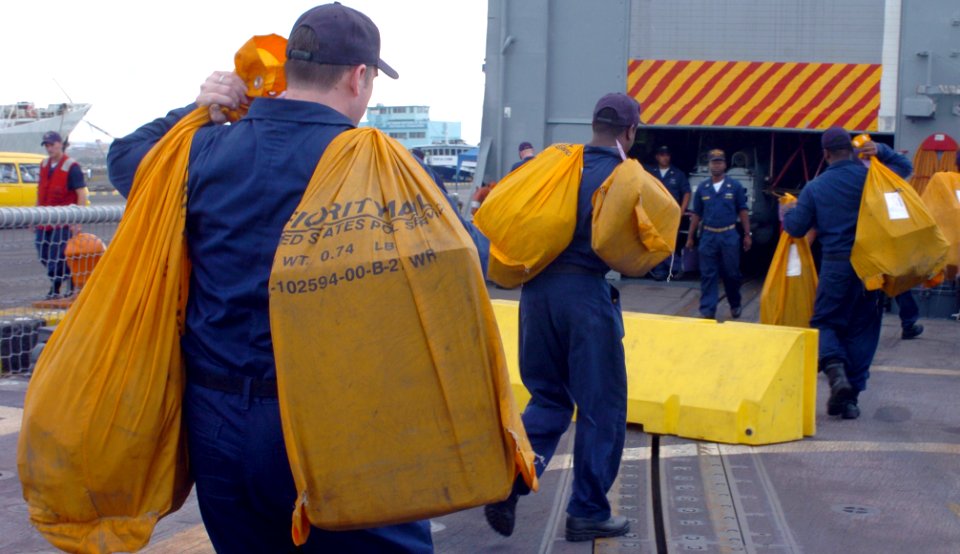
<point x="840" y="389"/>
<point x="54" y="291"/>
<point x="911" y="332"/>
<point x="502" y="515"/>
<point x="584" y="529"/>
<point x="851" y="410"/>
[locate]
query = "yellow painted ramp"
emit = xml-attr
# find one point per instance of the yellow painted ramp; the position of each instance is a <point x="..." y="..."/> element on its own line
<point x="739" y="383"/>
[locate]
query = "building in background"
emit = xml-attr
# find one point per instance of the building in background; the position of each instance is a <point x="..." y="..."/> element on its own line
<point x="444" y="151"/>
<point x="411" y="125"/>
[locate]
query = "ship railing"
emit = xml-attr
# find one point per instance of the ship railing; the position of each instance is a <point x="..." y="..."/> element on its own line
<point x="28" y="308"/>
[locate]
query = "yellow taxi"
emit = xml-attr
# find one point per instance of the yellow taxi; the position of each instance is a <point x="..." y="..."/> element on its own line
<point x="19" y="176"/>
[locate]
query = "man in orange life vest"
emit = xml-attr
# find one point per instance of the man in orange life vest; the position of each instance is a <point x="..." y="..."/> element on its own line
<point x="61" y="184"/>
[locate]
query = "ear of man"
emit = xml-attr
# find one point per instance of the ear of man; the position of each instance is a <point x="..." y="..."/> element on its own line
<point x="359" y="79"/>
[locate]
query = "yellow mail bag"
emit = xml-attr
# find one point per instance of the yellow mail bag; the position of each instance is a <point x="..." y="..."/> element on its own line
<point x="531" y="214"/>
<point x="635" y="220"/>
<point x="898" y="244"/>
<point x="394" y="393"/>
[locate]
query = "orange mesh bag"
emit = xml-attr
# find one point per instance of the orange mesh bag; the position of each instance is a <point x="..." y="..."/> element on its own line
<point x="942" y="199"/>
<point x="790" y="288"/>
<point x="635" y="220"/>
<point x="531" y="214"/>
<point x="386" y="342"/>
<point x="259" y="62"/>
<point x="937" y="152"/>
<point x="898" y="244"/>
<point x="101" y="454"/>
<point x="924" y="165"/>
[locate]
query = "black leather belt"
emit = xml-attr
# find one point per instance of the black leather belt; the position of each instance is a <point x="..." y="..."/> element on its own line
<point x="233" y="384"/>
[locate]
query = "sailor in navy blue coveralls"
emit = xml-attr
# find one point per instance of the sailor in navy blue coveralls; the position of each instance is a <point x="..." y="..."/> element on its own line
<point x="571" y="351"/>
<point x="847" y="315"/>
<point x="526" y="154"/>
<point x="675" y="181"/>
<point x="245" y="180"/>
<point x="720" y="202"/>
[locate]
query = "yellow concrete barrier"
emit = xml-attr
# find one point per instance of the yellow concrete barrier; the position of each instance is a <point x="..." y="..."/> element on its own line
<point x="739" y="383"/>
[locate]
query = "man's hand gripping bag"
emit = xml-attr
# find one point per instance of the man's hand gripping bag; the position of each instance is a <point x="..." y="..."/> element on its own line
<point x="101" y="454"/>
<point x="531" y="214"/>
<point x="898" y="244"/>
<point x="635" y="220"/>
<point x="394" y="394"/>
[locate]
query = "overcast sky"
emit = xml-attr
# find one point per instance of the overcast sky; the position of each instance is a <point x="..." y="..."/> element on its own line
<point x="134" y="61"/>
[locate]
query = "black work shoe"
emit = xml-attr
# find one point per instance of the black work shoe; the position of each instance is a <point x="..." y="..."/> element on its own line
<point x="502" y="515"/>
<point x="707" y="316"/>
<point x="735" y="312"/>
<point x="912" y="332"/>
<point x="840" y="390"/>
<point x="850" y="411"/>
<point x="584" y="529"/>
<point x="837" y="403"/>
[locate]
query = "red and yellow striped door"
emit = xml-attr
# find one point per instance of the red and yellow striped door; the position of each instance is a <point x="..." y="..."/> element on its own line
<point x="773" y="95"/>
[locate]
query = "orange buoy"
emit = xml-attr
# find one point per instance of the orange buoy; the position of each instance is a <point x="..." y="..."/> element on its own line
<point x="83" y="252"/>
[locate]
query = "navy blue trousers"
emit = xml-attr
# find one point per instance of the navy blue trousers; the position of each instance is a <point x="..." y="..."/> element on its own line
<point x="719" y="258"/>
<point x="848" y="317"/>
<point x="909" y="311"/>
<point x="51" y="247"/>
<point x="571" y="354"/>
<point x="245" y="488"/>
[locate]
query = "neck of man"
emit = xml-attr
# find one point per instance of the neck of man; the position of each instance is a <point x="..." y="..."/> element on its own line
<point x="333" y="98"/>
<point x="834" y="158"/>
<point x="664" y="167"/>
<point x="55" y="158"/>
<point x="609" y="142"/>
<point x="717" y="178"/>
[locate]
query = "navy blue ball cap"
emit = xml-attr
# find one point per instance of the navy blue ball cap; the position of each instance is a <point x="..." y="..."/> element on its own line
<point x="344" y="37"/>
<point x="626" y="110"/>
<point x="525" y="146"/>
<point x="51" y="137"/>
<point x="836" y="138"/>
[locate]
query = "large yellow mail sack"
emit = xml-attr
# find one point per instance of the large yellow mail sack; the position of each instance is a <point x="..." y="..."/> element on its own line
<point x="635" y="220"/>
<point x="101" y="454"/>
<point x="898" y="244"/>
<point x="942" y="199"/>
<point x="394" y="393"/>
<point x="531" y="214"/>
<point x="790" y="288"/>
